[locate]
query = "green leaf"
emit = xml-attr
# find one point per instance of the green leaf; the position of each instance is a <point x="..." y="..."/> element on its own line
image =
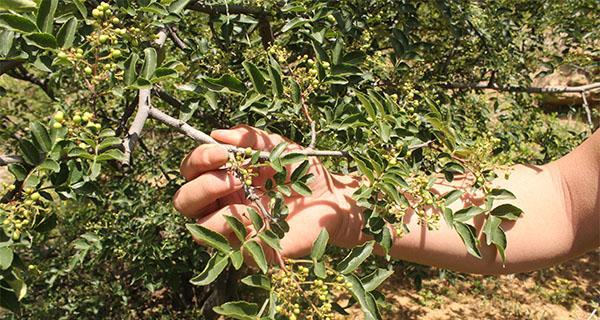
<point x="501" y="194"/>
<point x="507" y="211"/>
<point x="291" y="158"/>
<point x="296" y="92"/>
<point x="256" y="76"/>
<point x="17" y="23"/>
<point x="6" y="257"/>
<point x="237" y="259"/>
<point x="41" y="136"/>
<point x="320" y="244"/>
<point x="275" y="76"/>
<point x="163" y="73"/>
<point x="240" y="310"/>
<point x="300" y="171"/>
<point x="149" y="66"/>
<point x="256" y="219"/>
<point x="30" y="153"/>
<point x="226" y="83"/>
<point x="209" y="237"/>
<point x="376" y="278"/>
<point x="178" y="5"/>
<point x="42" y="40"/>
<point x="45" y="15"/>
<point x="294" y="23"/>
<point x="213" y="269"/>
<point x="466" y="214"/>
<point x="301" y="188"/>
<point x="112" y="154"/>
<point x="354" y="259"/>
<point x="237" y="226"/>
<point x="364" y="298"/>
<point x="257" y="281"/>
<point x="275" y="154"/>
<point x="452" y="196"/>
<point x="18" y="5"/>
<point x="18" y="171"/>
<point x="129" y="76"/>
<point x="257" y="253"/>
<point x="66" y="33"/>
<point x="467" y="234"/>
<point x="271" y="239"/>
<point x="319" y="269"/>
<point x="363" y="168"/>
<point x="50" y="164"/>
<point x="366" y="103"/>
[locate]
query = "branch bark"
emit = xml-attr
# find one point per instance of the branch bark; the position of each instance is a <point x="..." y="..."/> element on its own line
<point x="24" y="75"/>
<point x="135" y="130"/>
<point x="511" y="88"/>
<point x="9" y="159"/>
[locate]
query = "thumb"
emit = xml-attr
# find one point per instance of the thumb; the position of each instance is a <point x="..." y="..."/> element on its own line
<point x="246" y="136"/>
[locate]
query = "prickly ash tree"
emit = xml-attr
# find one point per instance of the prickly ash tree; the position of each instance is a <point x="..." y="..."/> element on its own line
<point x="380" y="88"/>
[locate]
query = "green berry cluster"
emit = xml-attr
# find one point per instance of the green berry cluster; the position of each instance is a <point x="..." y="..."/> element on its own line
<point x="18" y="216"/>
<point x="243" y="170"/>
<point x="302" y="295"/>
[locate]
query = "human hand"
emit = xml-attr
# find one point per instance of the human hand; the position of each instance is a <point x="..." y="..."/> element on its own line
<point x="213" y="192"/>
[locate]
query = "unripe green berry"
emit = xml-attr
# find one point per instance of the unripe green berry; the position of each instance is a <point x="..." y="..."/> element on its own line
<point x="80" y="51"/>
<point x="116" y="53"/>
<point x="98" y="126"/>
<point x="35" y="196"/>
<point x="62" y="55"/>
<point x="248" y="151"/>
<point x="59" y="116"/>
<point x="296" y="311"/>
<point x="248" y="182"/>
<point x="31" y="267"/>
<point x="28" y="203"/>
<point x="16" y="235"/>
<point x="103" y="38"/>
<point x="115" y="20"/>
<point x="96" y="13"/>
<point x="77" y="119"/>
<point x="87" y="70"/>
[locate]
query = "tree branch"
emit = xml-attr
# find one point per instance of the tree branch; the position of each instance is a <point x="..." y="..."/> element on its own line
<point x="137" y="126"/>
<point x="511" y="88"/>
<point x="24" y="75"/>
<point x="9" y="159"/>
<point x="135" y="130"/>
<point x="175" y="37"/>
<point x="588" y="112"/>
<point x="6" y="66"/>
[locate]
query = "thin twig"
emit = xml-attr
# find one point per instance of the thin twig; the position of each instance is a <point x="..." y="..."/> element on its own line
<point x="176" y="39"/>
<point x="24" y="75"/>
<point x="512" y="88"/>
<point x="588" y="112"/>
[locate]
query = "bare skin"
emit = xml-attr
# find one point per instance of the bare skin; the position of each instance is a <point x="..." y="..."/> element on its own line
<point x="560" y="202"/>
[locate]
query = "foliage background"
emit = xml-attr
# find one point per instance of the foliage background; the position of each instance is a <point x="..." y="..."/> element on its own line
<point x="126" y="253"/>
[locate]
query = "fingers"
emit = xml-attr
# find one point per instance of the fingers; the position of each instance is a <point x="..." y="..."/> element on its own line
<point x="195" y="195"/>
<point x="204" y="158"/>
<point x="246" y="136"/>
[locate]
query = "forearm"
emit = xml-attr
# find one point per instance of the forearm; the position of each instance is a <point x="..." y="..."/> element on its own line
<point x="559" y="220"/>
